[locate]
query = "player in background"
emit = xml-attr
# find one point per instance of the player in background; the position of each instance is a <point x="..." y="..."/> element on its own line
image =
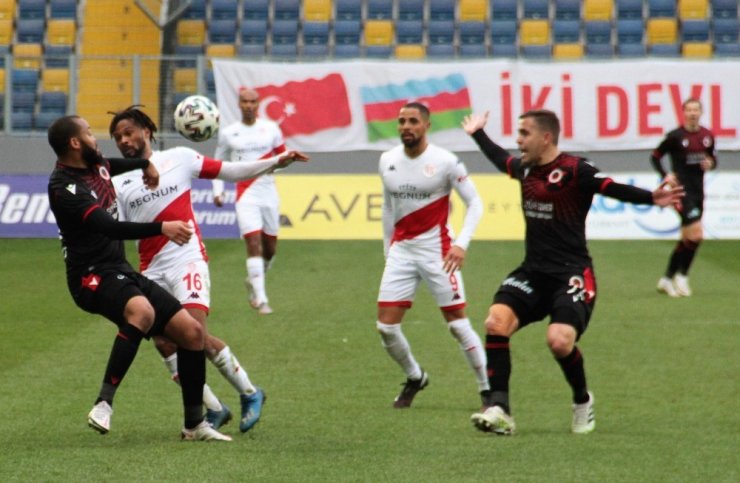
<point x="556" y="277"/>
<point x="257" y="203"/>
<point x="101" y="281"/>
<point x="418" y="178"/>
<point x="183" y="270"/>
<point x="691" y="148"/>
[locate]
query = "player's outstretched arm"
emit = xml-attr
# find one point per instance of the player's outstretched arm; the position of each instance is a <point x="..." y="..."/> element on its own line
<point x="474" y="122"/>
<point x="668" y="195"/>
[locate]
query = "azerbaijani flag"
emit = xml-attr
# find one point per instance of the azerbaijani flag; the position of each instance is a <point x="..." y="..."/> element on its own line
<point x="446" y="97"/>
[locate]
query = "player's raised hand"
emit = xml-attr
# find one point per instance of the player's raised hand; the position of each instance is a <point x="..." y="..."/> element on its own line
<point x="473" y="122"/>
<point x="454" y="259"/>
<point x="177" y="231"/>
<point x="151" y="176"/>
<point x="666" y="195"/>
<point x="289" y="157"/>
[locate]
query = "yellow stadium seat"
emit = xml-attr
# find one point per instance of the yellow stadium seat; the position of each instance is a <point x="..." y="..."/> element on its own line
<point x="221" y="50"/>
<point x="191" y="32"/>
<point x="662" y="31"/>
<point x="534" y="32"/>
<point x="473" y="10"/>
<point x="598" y="9"/>
<point x="567" y="51"/>
<point x="697" y="50"/>
<point x="55" y="80"/>
<point x="7" y="9"/>
<point x="378" y="32"/>
<point x="186" y="80"/>
<point x="2" y="80"/>
<point x="317" y="10"/>
<point x="6" y="31"/>
<point x="410" y="51"/>
<point x="27" y="56"/>
<point x="693" y="9"/>
<point x="61" y="32"/>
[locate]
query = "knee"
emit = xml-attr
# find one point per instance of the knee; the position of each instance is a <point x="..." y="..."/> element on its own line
<point x="500" y="321"/>
<point x="193" y="335"/>
<point x="561" y="342"/>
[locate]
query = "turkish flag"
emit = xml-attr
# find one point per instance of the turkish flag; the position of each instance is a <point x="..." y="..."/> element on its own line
<point x="307" y="106"/>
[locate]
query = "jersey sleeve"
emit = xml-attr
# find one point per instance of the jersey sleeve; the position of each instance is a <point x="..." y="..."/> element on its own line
<point x="590" y="179"/>
<point x="465" y="187"/>
<point x="656" y="156"/>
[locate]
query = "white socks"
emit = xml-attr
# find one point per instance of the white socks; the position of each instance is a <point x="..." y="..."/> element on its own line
<point x="471" y="346"/>
<point x="398" y="348"/>
<point x="256" y="276"/>
<point x="209" y="399"/>
<point x="230" y="368"/>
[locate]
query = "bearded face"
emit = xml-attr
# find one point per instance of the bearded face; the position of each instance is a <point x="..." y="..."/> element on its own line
<point x="90" y="154"/>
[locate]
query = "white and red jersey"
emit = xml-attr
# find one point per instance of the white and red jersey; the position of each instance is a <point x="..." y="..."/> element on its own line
<point x="170" y="201"/>
<point x="240" y="142"/>
<point x="416" y="201"/>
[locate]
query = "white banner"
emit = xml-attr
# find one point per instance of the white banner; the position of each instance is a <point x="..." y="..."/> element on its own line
<point x="615" y="105"/>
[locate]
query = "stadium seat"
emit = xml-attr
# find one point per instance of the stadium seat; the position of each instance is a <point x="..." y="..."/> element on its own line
<point x="409" y="31"/>
<point x="507" y="51"/>
<point x="286" y="9"/>
<point x="348" y="10"/>
<point x="43" y="119"/>
<point x="568" y="51"/>
<point x="251" y="50"/>
<point x="285" y="31"/>
<point x="441" y="51"/>
<point x="665" y="50"/>
<point x="472" y="11"/>
<point x="441" y="10"/>
<point x="410" y="52"/>
<point x="378" y="32"/>
<point x="222" y="31"/>
<point x="725" y="31"/>
<point x="30" y="30"/>
<point x="63" y="9"/>
<point x="61" y="32"/>
<point x="661" y="8"/>
<point x="253" y="31"/>
<point x="662" y="31"/>
<point x="695" y="31"/>
<point x="534" y="32"/>
<point x="55" y="80"/>
<point x="55" y="102"/>
<point x="693" y="9"/>
<point x="630" y="31"/>
<point x="347" y="32"/>
<point x="727" y="50"/>
<point x="196" y="10"/>
<point x="536" y="51"/>
<point x="187" y="55"/>
<point x="4" y="50"/>
<point x="473" y="51"/>
<point x="599" y="51"/>
<point x="631" y="50"/>
<point x="411" y="10"/>
<point x="256" y="10"/>
<point x="504" y="9"/>
<point x="597" y="9"/>
<point x="598" y="32"/>
<point x="220" y="50"/>
<point x="566" y="31"/>
<point x="31" y="9"/>
<point x="317" y="10"/>
<point x="191" y="32"/>
<point x="316" y="50"/>
<point x="285" y="51"/>
<point x="315" y="33"/>
<point x="724" y="9"/>
<point x="21" y="121"/>
<point x="378" y="51"/>
<point x="441" y="31"/>
<point x="347" y="51"/>
<point x="7" y="9"/>
<point x="503" y="32"/>
<point x="27" y="56"/>
<point x="536" y="9"/>
<point x="223" y="9"/>
<point x="57" y="55"/>
<point x="6" y="31"/>
<point x="185" y="80"/>
<point x="2" y="80"/>
<point x="23" y="101"/>
<point x="629" y="9"/>
<point x="567" y="9"/>
<point x="379" y="9"/>
<point x="472" y="32"/>
<point x="697" y="50"/>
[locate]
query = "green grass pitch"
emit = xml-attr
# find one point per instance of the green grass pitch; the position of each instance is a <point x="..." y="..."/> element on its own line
<point x="664" y="372"/>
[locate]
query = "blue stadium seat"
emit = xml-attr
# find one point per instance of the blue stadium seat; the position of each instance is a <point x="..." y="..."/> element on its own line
<point x="251" y="50"/>
<point x="409" y="31"/>
<point x="24" y="80"/>
<point x="598" y="32"/>
<point x="665" y="50"/>
<point x="379" y="9"/>
<point x="55" y="102"/>
<point x="629" y="9"/>
<point x="43" y="120"/>
<point x="537" y="51"/>
<point x="57" y="55"/>
<point x="256" y="10"/>
<point x="441" y="10"/>
<point x="347" y="32"/>
<point x="411" y="9"/>
<point x="724" y="9"/>
<point x="288" y="51"/>
<point x="4" y="49"/>
<point x="30" y="30"/>
<point x="503" y="9"/>
<point x="315" y="33"/>
<point x="378" y="51"/>
<point x="536" y="9"/>
<point x="661" y="8"/>
<point x="63" y="9"/>
<point x="472" y="33"/>
<point x="210" y="80"/>
<point x="725" y="31"/>
<point x="568" y="9"/>
<point x="473" y="51"/>
<point x="441" y="31"/>
<point x="599" y="51"/>
<point x="31" y="9"/>
<point x="253" y="31"/>
<point x="566" y="31"/>
<point x="316" y="50"/>
<point x="286" y="9"/>
<point x="23" y="101"/>
<point x="224" y="9"/>
<point x="695" y="30"/>
<point x="727" y="50"/>
<point x="187" y="55"/>
<point x="441" y="51"/>
<point x="503" y="32"/>
<point x="285" y="31"/>
<point x="347" y="51"/>
<point x="348" y="10"/>
<point x="630" y="31"/>
<point x="631" y="50"/>
<point x="22" y="121"/>
<point x="222" y="31"/>
<point x="504" y="50"/>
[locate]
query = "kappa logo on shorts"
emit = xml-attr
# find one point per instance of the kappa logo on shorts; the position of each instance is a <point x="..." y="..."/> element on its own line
<point x="193" y="295"/>
<point x="91" y="282"/>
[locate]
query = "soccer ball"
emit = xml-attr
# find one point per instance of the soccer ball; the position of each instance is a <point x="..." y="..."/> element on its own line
<point x="196" y="118"/>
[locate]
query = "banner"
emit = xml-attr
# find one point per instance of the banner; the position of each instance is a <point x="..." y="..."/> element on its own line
<point x="348" y="207"/>
<point x="602" y="106"/>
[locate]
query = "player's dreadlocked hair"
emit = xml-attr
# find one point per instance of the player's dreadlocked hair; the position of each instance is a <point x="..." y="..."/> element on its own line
<point x="135" y="115"/>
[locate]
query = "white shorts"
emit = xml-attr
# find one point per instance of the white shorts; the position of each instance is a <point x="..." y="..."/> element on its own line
<point x="402" y="275"/>
<point x="190" y="284"/>
<point x="257" y="217"/>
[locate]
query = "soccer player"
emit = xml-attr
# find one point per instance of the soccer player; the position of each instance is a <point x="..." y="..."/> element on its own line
<point x="418" y="178"/>
<point x="257" y="204"/>
<point x="101" y="281"/>
<point x="691" y="148"/>
<point x="557" y="276"/>
<point x="183" y="270"/>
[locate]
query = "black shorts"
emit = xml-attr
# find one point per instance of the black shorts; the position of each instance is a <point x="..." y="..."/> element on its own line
<point x="106" y="291"/>
<point x="567" y="298"/>
<point x="692" y="208"/>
